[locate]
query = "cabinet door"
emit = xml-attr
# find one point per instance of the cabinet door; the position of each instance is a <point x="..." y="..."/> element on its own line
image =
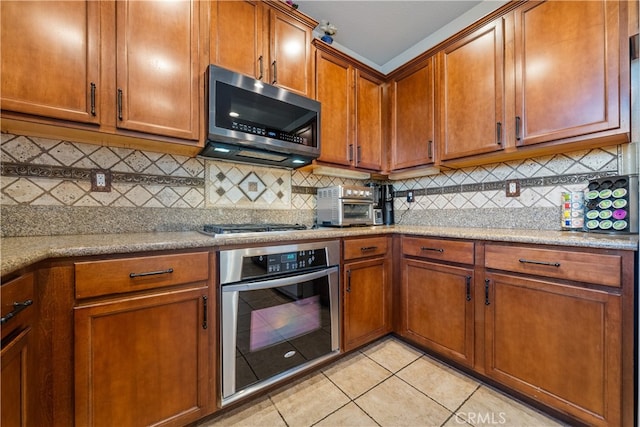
<point x="367" y="310"/>
<point x="143" y="360"/>
<point x="17" y="406"/>
<point x="290" y="53"/>
<point x="368" y="121"/>
<point x="471" y="93"/>
<point x="237" y="37"/>
<point x="158" y="67"/>
<point x="437" y="308"/>
<point x="557" y="343"/>
<point x="51" y="58"/>
<point x="567" y="69"/>
<point x="335" y="92"/>
<point x="412" y="129"/>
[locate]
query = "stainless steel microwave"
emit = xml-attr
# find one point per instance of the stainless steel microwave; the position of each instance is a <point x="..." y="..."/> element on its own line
<point x="253" y="122"/>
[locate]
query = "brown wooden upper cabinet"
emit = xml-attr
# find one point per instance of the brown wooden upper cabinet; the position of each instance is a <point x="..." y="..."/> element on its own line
<point x="120" y="65"/>
<point x="411" y="95"/>
<point x="158" y="67"/>
<point x="269" y="41"/>
<point x="549" y="73"/>
<point x="567" y="67"/>
<point x="470" y="78"/>
<point x="51" y="59"/>
<point x="351" y="119"/>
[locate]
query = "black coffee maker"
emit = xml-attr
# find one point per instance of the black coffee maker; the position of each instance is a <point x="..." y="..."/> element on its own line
<point x="382" y="204"/>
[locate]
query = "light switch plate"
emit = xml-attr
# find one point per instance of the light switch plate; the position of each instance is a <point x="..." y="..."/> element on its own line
<point x="512" y="188"/>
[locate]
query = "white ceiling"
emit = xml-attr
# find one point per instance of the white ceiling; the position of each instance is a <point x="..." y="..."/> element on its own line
<point x="385" y="34"/>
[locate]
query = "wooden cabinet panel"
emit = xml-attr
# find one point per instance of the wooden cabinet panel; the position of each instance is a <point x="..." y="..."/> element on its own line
<point x="567" y="69"/>
<point x="586" y="267"/>
<point x="368" y="121"/>
<point x="143" y="360"/>
<point x="17" y="405"/>
<point x="335" y="93"/>
<point x="367" y="308"/>
<point x="365" y="247"/>
<point x="438" y="310"/>
<point x="290" y="54"/>
<point x="51" y="58"/>
<point x="412" y="123"/>
<point x="558" y="344"/>
<point x="471" y="93"/>
<point x="95" y="278"/>
<point x="439" y="249"/>
<point x="236" y="37"/>
<point x="158" y="67"/>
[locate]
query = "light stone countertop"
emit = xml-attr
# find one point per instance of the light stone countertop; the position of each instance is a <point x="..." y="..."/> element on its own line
<point x="20" y="252"/>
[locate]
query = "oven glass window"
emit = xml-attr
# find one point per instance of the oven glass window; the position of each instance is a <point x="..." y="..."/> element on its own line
<point x="281" y="328"/>
<point x="356" y="210"/>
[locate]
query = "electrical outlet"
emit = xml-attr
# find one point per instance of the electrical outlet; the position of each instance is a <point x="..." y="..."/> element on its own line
<point x="513" y="188"/>
<point x="409" y="196"/>
<point x="100" y="180"/>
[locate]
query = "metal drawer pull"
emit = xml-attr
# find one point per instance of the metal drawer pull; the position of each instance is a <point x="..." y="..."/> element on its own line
<point x="17" y="308"/>
<point x="204" y="309"/>
<point x="368" y="248"/>
<point x="348" y="280"/>
<point x="151" y="273"/>
<point x="424" y="248"/>
<point x="552" y="264"/>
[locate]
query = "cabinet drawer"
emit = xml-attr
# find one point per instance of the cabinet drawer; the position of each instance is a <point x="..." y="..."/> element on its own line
<point x="361" y="248"/>
<point x="439" y="249"/>
<point x="601" y="269"/>
<point x="17" y="298"/>
<point x="95" y="278"/>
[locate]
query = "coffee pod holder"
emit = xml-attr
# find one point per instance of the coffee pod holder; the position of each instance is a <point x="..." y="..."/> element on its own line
<point x="611" y="205"/>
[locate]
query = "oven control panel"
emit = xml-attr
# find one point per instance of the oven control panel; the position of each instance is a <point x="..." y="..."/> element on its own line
<point x="294" y="261"/>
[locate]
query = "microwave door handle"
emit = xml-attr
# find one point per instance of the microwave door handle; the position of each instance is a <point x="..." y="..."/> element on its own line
<point x="283" y="281"/>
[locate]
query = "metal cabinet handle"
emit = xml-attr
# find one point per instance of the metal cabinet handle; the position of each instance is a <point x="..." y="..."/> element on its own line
<point x="430" y="149"/>
<point x="499" y="133"/>
<point x="119" y="104"/>
<point x="486" y="292"/>
<point x="93" y="99"/>
<point x="358" y="154"/>
<point x="350" y="153"/>
<point x="261" y="62"/>
<point x="424" y="248"/>
<point x="468" y="280"/>
<point x="348" y="280"/>
<point x="551" y="264"/>
<point x="368" y="248"/>
<point x="518" y="128"/>
<point x="204" y="309"/>
<point x="17" y="308"/>
<point x="275" y="72"/>
<point x="151" y="273"/>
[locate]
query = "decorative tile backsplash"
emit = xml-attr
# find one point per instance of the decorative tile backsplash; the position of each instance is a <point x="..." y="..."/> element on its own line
<point x="40" y="172"/>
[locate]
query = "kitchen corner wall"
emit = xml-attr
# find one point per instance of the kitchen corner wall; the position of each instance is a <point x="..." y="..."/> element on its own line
<point x="45" y="189"/>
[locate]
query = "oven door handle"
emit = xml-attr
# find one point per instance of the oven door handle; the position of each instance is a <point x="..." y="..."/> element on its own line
<point x="282" y="281"/>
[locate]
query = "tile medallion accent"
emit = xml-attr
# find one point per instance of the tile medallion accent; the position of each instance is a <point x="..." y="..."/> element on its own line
<point x="235" y="185"/>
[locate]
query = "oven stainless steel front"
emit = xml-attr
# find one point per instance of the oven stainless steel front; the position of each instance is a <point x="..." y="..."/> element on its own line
<point x="280" y="313"/>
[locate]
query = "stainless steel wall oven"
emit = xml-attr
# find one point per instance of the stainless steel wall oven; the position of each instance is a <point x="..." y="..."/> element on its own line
<point x="280" y="314"/>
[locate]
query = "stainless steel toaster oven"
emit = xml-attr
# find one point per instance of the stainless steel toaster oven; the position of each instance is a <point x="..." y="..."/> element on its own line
<point x="345" y="205"/>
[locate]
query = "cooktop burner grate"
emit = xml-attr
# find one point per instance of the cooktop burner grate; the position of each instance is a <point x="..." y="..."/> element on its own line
<point x="250" y="228"/>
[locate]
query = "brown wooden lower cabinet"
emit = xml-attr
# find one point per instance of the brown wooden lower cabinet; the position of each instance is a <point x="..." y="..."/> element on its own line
<point x="557" y="343"/>
<point x="531" y="320"/>
<point x="437" y="308"/>
<point x="17" y="401"/>
<point x="142" y="360"/>
<point x="366" y="291"/>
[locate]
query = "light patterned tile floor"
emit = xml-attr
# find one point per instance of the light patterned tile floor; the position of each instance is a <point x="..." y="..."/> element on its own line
<point x="388" y="383"/>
